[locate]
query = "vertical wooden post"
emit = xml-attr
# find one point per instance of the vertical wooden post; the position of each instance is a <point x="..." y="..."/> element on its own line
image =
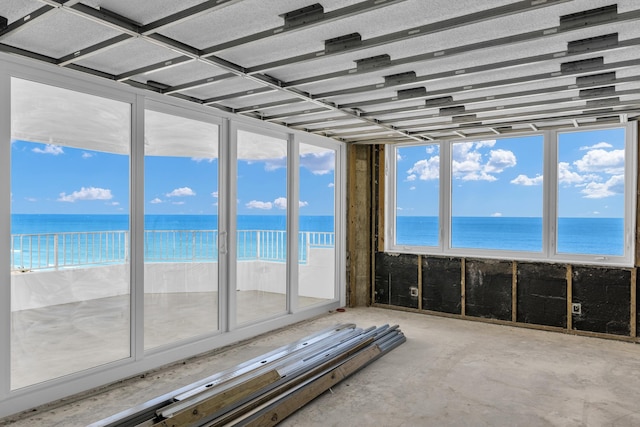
<point x="514" y="291"/>
<point x="358" y="227"/>
<point x="569" y="297"/>
<point x="419" y="282"/>
<point x="633" y="318"/>
<point x="463" y="267"/>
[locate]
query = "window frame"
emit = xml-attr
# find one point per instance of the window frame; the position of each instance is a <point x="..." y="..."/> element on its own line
<point x="549" y="202"/>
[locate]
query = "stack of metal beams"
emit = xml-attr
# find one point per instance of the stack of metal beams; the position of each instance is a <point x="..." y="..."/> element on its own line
<point x="265" y="390"/>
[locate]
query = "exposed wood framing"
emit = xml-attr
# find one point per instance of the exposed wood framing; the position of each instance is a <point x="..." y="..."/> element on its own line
<point x="633" y="318"/>
<point x="569" y="297"/>
<point x="419" y="282"/>
<point x="514" y="291"/>
<point x="463" y="281"/>
<point x="510" y="323"/>
<point x="381" y="183"/>
<point x="359" y="230"/>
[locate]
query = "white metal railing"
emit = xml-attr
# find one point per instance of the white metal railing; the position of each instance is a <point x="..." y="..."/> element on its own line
<point x="73" y="249"/>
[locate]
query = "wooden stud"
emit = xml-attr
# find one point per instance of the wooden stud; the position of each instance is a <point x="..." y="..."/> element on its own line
<point x="419" y="282"/>
<point x="637" y="260"/>
<point x="624" y="338"/>
<point x="633" y="320"/>
<point x="381" y="194"/>
<point x="514" y="291"/>
<point x="569" y="297"/>
<point x="463" y="281"/>
<point x="305" y="393"/>
<point x="197" y="412"/>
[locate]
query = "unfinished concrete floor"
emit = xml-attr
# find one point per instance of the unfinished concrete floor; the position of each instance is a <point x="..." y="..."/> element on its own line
<point x="450" y="372"/>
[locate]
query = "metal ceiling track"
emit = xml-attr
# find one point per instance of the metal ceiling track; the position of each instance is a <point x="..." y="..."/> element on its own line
<point x="241" y="395"/>
<point x="576" y="48"/>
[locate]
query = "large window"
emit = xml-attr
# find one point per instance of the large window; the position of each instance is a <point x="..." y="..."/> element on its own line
<point x="317" y="221"/>
<point x="261" y="226"/>
<point x="591" y="192"/>
<point x="70" y="305"/>
<point x="181" y="228"/>
<point x="140" y="230"/>
<point x="565" y="196"/>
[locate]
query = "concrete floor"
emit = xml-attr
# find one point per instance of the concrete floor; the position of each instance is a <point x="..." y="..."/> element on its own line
<point x="450" y="372"/>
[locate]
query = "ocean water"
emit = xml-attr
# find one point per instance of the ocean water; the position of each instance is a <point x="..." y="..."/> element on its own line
<point x="50" y="241"/>
<point x="41" y="241"/>
<point x="599" y="236"/>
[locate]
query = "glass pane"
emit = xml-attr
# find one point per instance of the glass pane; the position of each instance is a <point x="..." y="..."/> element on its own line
<point x="261" y="227"/>
<point x="417" y="195"/>
<point x="591" y="192"/>
<point x="181" y="229"/>
<point x="70" y="281"/>
<point x="496" y="194"/>
<point x="316" y="241"/>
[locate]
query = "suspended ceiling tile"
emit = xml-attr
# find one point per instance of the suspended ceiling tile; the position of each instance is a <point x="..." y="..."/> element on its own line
<point x="182" y="73"/>
<point x="224" y="87"/>
<point x="231" y="22"/>
<point x="133" y="54"/>
<point x="49" y="35"/>
<point x="15" y="10"/>
<point x="145" y="11"/>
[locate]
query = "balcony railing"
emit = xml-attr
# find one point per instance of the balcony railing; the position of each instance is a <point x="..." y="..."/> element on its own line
<point x="75" y="249"/>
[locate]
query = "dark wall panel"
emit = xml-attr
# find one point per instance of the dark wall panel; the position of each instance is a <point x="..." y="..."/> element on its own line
<point x="488" y="285"/>
<point x="441" y="284"/>
<point x="542" y="294"/>
<point x="604" y="295"/>
<point x="396" y="280"/>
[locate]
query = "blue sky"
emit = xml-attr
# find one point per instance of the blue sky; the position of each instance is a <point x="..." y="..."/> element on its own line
<point x="48" y="178"/>
<point x="504" y="177"/>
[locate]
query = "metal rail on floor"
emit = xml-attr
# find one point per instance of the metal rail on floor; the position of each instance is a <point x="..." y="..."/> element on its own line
<point x="266" y="389"/>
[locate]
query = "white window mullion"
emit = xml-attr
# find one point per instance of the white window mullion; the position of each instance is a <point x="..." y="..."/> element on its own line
<point x="5" y="234"/>
<point x="293" y="222"/>
<point x="136" y="228"/>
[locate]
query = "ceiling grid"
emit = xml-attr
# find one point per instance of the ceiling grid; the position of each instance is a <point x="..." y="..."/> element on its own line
<point x="359" y="71"/>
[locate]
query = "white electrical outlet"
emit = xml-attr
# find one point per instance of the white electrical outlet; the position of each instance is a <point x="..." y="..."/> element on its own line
<point x="576" y="308"/>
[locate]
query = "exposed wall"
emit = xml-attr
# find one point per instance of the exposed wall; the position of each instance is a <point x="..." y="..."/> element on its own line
<point x="531" y="294"/>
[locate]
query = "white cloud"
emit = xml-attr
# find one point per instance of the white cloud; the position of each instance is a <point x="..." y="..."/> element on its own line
<point x="598" y="145"/>
<point x="398" y="157"/>
<point x="86" y="155"/>
<point x="430" y="149"/>
<point x="496" y="214"/>
<point x="610" y="162"/>
<point x="526" y="181"/>
<point x="412" y="188"/>
<point x="274" y="164"/>
<point x="499" y="160"/>
<point x="331" y="185"/>
<point x="468" y="163"/>
<point x="597" y="190"/>
<point x="30" y="199"/>
<point x="280" y="203"/>
<point x="114" y="204"/>
<point x="156" y="201"/>
<point x="566" y="175"/>
<point x="319" y="163"/>
<point x="86" y="193"/>
<point x="181" y="192"/>
<point x="177" y="203"/>
<point x="49" y="149"/>
<point x="425" y="169"/>
<point x="203" y="159"/>
<point x="214" y="194"/>
<point x="256" y="204"/>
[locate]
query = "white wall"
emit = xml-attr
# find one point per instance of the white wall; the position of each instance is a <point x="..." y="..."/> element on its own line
<point x="44" y="288"/>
